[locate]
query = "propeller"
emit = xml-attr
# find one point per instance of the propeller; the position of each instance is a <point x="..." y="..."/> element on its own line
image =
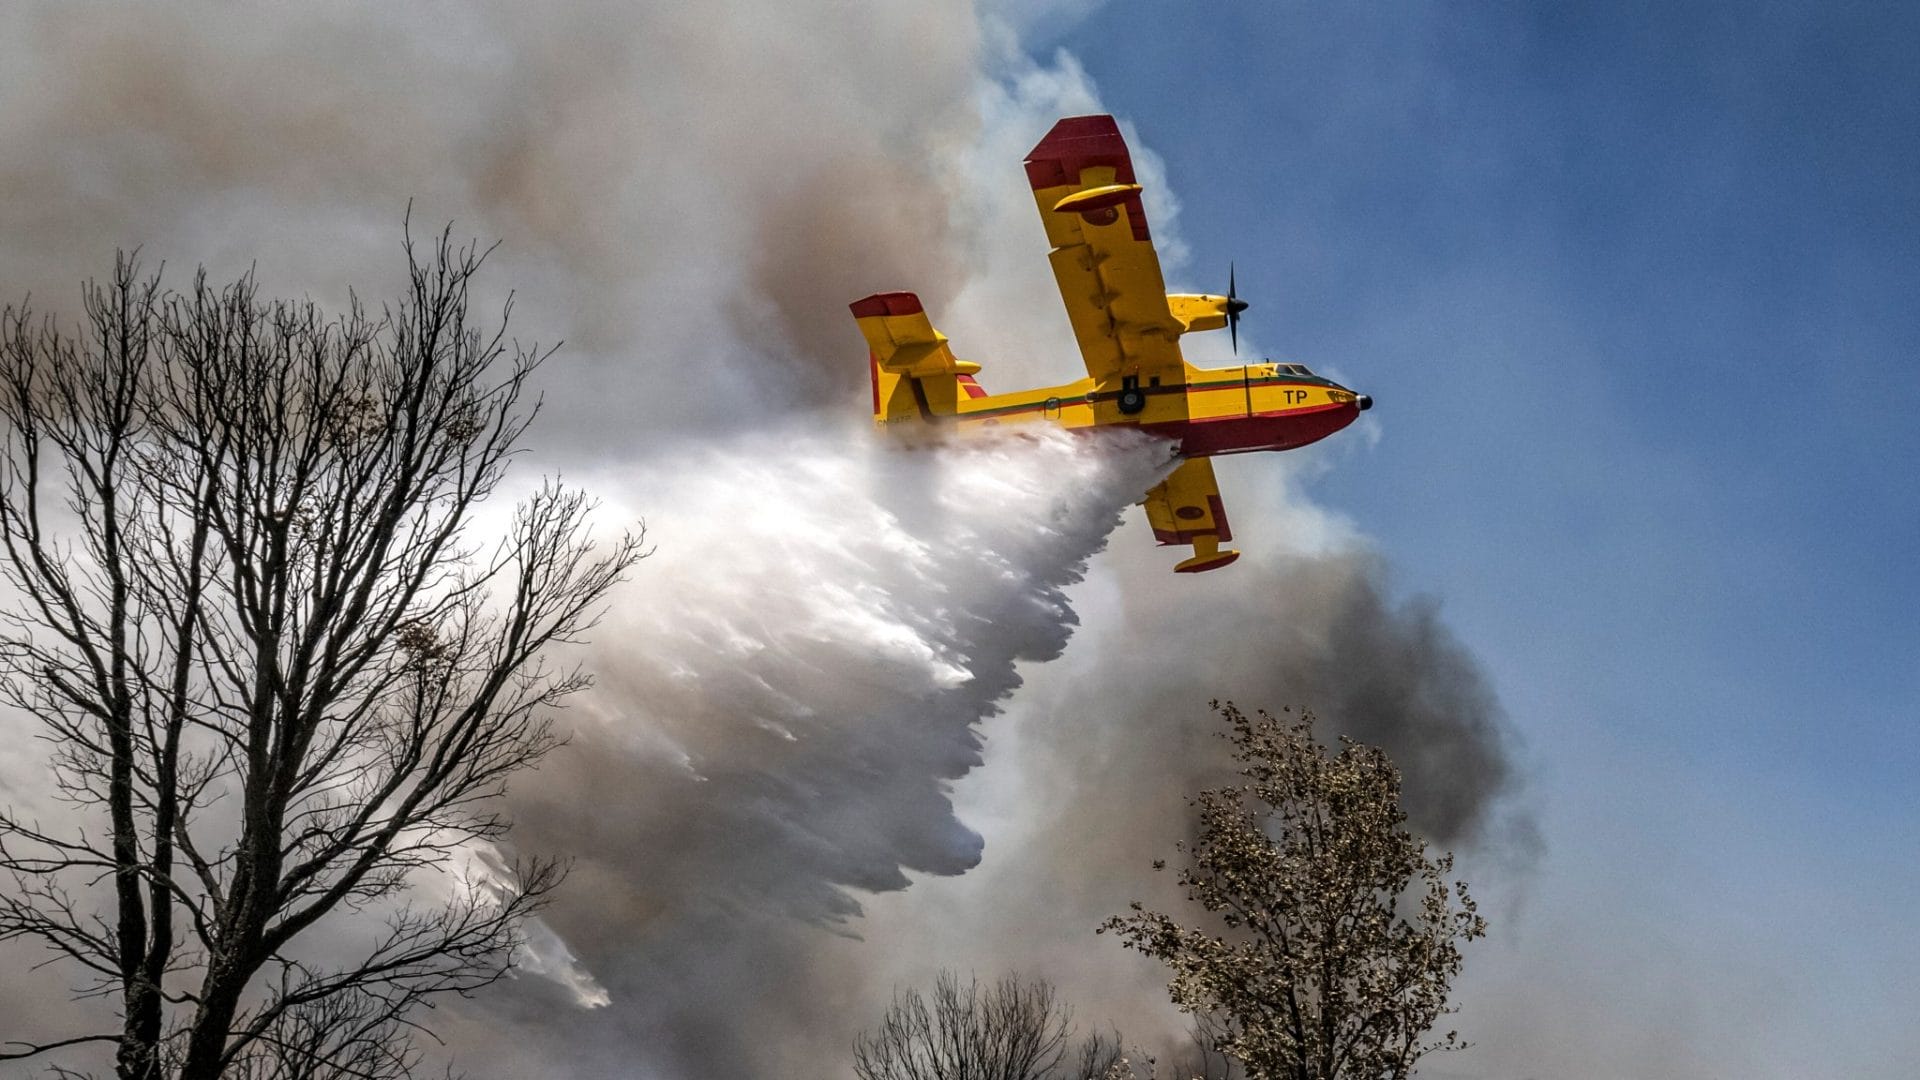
<point x="1235" y="306"/>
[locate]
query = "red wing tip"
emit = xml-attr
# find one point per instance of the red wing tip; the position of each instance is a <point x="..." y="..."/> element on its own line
<point x="1075" y="143"/>
<point x="886" y="303"/>
<point x="1074" y="130"/>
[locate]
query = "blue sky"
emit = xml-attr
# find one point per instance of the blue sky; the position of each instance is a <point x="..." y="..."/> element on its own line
<point x="1633" y="286"/>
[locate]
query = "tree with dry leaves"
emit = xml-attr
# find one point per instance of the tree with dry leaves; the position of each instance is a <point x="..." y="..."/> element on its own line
<point x="282" y="675"/>
<point x="1334" y="937"/>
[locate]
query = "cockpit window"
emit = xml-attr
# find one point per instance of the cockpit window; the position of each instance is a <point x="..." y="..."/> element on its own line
<point x="1296" y="369"/>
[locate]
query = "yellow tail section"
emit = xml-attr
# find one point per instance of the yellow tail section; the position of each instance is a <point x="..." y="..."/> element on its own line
<point x="915" y="375"/>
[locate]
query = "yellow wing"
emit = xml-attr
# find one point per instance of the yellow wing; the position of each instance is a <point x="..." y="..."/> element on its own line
<point x="1103" y="257"/>
<point x="1185" y="509"/>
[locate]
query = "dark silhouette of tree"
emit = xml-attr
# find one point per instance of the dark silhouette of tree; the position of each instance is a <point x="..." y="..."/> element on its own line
<point x="281" y="675"/>
<point x="1013" y="1030"/>
<point x="1338" y="937"/>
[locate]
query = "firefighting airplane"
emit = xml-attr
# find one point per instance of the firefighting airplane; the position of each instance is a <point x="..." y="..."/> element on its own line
<point x="1128" y="328"/>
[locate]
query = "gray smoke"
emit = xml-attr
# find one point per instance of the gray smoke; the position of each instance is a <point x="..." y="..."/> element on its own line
<point x="793" y="787"/>
<point x="688" y="194"/>
<point x="1319" y="632"/>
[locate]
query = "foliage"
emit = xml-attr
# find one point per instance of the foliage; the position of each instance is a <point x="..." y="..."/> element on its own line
<point x="280" y="677"/>
<point x="1338" y="937"/>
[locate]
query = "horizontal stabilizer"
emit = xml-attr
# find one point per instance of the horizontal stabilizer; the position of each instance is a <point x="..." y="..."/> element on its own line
<point x="903" y="340"/>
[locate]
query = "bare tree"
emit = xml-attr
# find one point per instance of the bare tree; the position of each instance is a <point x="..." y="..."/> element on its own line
<point x="1012" y="1030"/>
<point x="281" y="677"/>
<point x="1341" y="936"/>
<point x="1107" y="1058"/>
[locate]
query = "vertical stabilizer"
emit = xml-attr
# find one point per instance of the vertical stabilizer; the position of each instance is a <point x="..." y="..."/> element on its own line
<point x="915" y="375"/>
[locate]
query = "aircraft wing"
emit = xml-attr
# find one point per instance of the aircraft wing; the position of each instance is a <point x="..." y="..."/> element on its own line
<point x="1185" y="509"/>
<point x="1103" y="257"/>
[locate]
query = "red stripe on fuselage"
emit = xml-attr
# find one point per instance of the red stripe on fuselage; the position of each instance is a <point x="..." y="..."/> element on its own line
<point x="1280" y="430"/>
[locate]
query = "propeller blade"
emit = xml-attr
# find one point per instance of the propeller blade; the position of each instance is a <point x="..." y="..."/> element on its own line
<point x="1235" y="306"/>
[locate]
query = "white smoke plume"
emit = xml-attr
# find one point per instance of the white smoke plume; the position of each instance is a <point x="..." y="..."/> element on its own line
<point x="774" y="799"/>
<point x="827" y="618"/>
<point x="780" y="716"/>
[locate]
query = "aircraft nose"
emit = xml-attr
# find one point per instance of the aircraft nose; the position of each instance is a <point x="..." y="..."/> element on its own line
<point x="1365" y="402"/>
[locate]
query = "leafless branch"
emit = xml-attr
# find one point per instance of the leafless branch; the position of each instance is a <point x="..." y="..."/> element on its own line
<point x="279" y="675"/>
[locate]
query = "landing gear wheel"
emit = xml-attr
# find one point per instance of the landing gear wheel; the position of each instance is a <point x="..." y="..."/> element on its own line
<point x="1132" y="400"/>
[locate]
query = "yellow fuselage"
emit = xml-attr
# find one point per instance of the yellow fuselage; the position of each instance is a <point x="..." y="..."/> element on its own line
<point x="1213" y="411"/>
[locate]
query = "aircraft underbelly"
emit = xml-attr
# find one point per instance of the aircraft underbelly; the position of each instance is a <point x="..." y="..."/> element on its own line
<point x="1246" y="434"/>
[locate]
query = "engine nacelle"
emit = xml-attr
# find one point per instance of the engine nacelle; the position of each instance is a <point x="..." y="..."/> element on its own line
<point x="1198" y="311"/>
